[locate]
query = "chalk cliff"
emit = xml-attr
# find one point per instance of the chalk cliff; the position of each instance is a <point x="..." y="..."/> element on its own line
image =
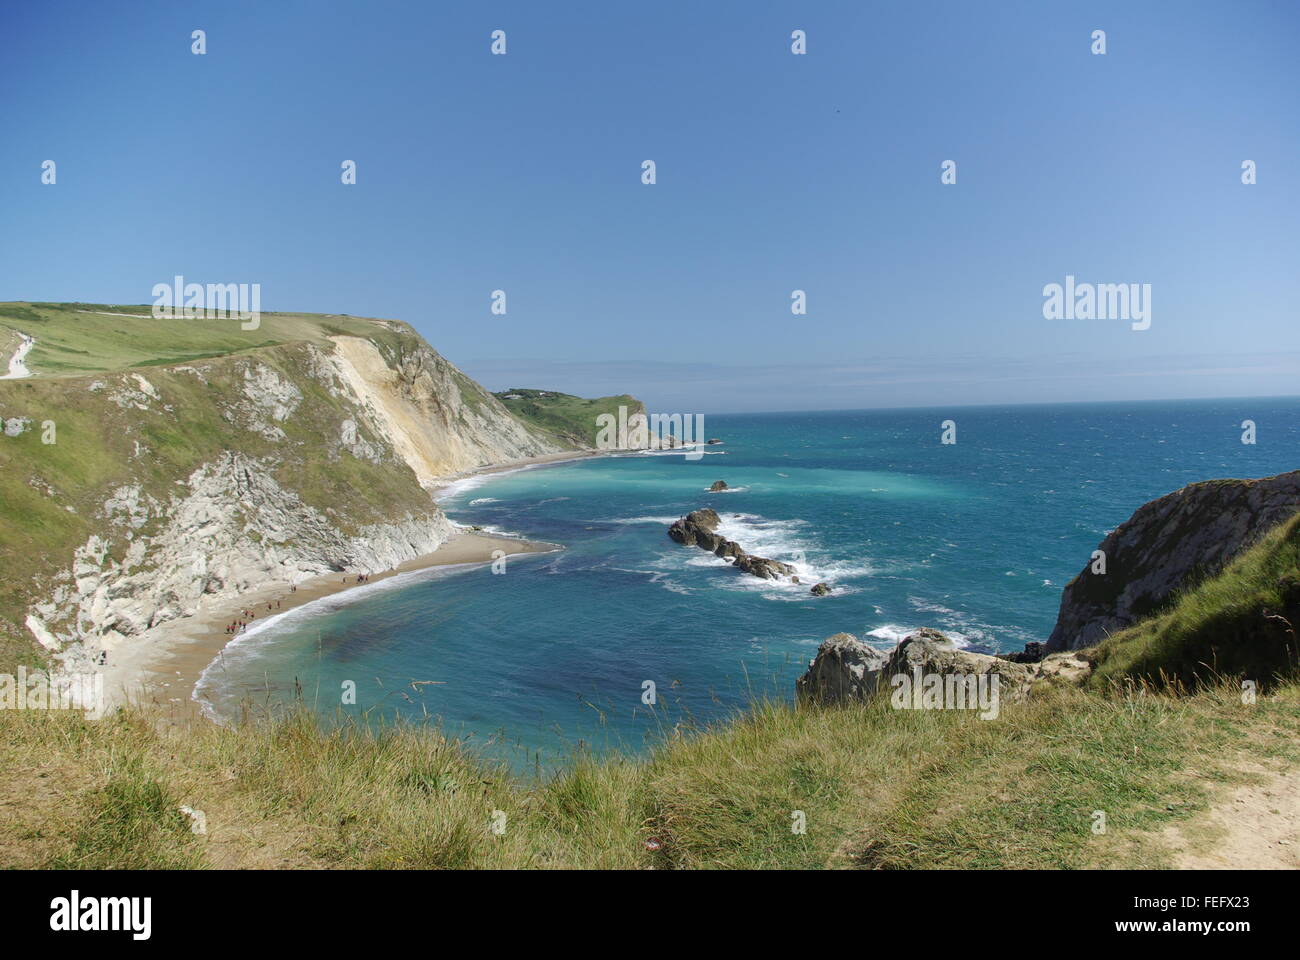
<point x="313" y="450"/>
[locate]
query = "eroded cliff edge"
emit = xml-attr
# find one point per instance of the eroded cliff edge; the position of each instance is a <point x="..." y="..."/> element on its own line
<point x="1168" y="545"/>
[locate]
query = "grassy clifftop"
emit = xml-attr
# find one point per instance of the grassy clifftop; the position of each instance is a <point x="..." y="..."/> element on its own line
<point x="77" y="339"/>
<point x="570" y="419"/>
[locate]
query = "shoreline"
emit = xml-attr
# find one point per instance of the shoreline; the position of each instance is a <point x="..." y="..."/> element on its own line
<point x="168" y="661"/>
<point x="448" y="486"/>
<point x="165" y="666"/>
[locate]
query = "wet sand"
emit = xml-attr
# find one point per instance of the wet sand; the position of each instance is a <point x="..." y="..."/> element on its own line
<point x="164" y="664"/>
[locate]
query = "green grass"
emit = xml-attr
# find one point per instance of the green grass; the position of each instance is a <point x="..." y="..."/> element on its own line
<point x="878" y="788"/>
<point x="569" y="419"/>
<point x="1224" y="626"/>
<point x="80" y="339"/>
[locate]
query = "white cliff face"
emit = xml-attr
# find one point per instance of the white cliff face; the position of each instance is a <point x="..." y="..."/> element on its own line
<point x="421" y="406"/>
<point x="231" y="529"/>
<point x="236" y="523"/>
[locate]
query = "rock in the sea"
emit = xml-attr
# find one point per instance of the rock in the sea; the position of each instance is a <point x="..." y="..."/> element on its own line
<point x="1166" y="544"/>
<point x="728" y="549"/>
<point x="713" y="440"/>
<point x="699" y="529"/>
<point x="687" y="530"/>
<point x="845" y="668"/>
<point x="763" y="567"/>
<point x="718" y="485"/>
<point x="820" y="589"/>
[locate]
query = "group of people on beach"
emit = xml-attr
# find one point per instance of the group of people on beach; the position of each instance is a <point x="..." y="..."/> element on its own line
<point x="246" y="617"/>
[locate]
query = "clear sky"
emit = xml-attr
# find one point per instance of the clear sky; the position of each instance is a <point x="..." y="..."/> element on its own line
<point x="775" y="172"/>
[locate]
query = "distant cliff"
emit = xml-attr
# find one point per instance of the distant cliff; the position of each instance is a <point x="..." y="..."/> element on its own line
<point x="149" y="463"/>
<point x="1167" y="545"/>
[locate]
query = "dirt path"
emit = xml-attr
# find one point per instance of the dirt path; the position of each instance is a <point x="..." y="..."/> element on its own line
<point x="1255" y="827"/>
<point x="18" y="362"/>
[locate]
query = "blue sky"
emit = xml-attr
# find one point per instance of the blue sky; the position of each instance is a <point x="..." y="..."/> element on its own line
<point x="775" y="172"/>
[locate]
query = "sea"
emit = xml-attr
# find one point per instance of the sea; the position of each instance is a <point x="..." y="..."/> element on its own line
<point x="624" y="637"/>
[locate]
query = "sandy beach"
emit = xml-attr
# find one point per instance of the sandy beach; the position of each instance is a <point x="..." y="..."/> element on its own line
<point x="165" y="664"/>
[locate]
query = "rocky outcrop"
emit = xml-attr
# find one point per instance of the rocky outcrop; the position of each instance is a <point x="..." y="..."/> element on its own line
<point x="820" y="589"/>
<point x="845" y="668"/>
<point x="718" y="485"/>
<point x="1168" y="544"/>
<point x="699" y="529"/>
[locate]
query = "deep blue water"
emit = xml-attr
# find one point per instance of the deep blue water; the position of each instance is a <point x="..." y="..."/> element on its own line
<point x="975" y="538"/>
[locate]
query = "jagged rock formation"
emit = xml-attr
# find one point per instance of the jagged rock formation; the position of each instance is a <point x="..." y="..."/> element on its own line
<point x="718" y="486"/>
<point x="820" y="589"/>
<point x="699" y="529"/>
<point x="845" y="668"/>
<point x="1167" y="544"/>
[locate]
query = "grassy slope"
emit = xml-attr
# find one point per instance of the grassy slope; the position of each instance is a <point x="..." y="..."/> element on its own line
<point x="880" y="789"/>
<point x="568" y="418"/>
<point x="76" y="340"/>
<point x="1219" y="626"/>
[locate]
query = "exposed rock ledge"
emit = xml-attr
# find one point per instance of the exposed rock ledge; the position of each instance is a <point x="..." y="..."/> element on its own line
<point x="699" y="529"/>
<point x="234" y="529"/>
<point x="1167" y="544"/>
<point x="845" y="668"/>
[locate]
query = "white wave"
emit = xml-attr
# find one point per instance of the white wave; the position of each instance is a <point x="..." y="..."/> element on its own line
<point x="894" y="634"/>
<point x="728" y="490"/>
<point x="474" y="503"/>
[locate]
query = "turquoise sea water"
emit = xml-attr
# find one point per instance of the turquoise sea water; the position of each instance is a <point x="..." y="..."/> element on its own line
<point x="976" y="539"/>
